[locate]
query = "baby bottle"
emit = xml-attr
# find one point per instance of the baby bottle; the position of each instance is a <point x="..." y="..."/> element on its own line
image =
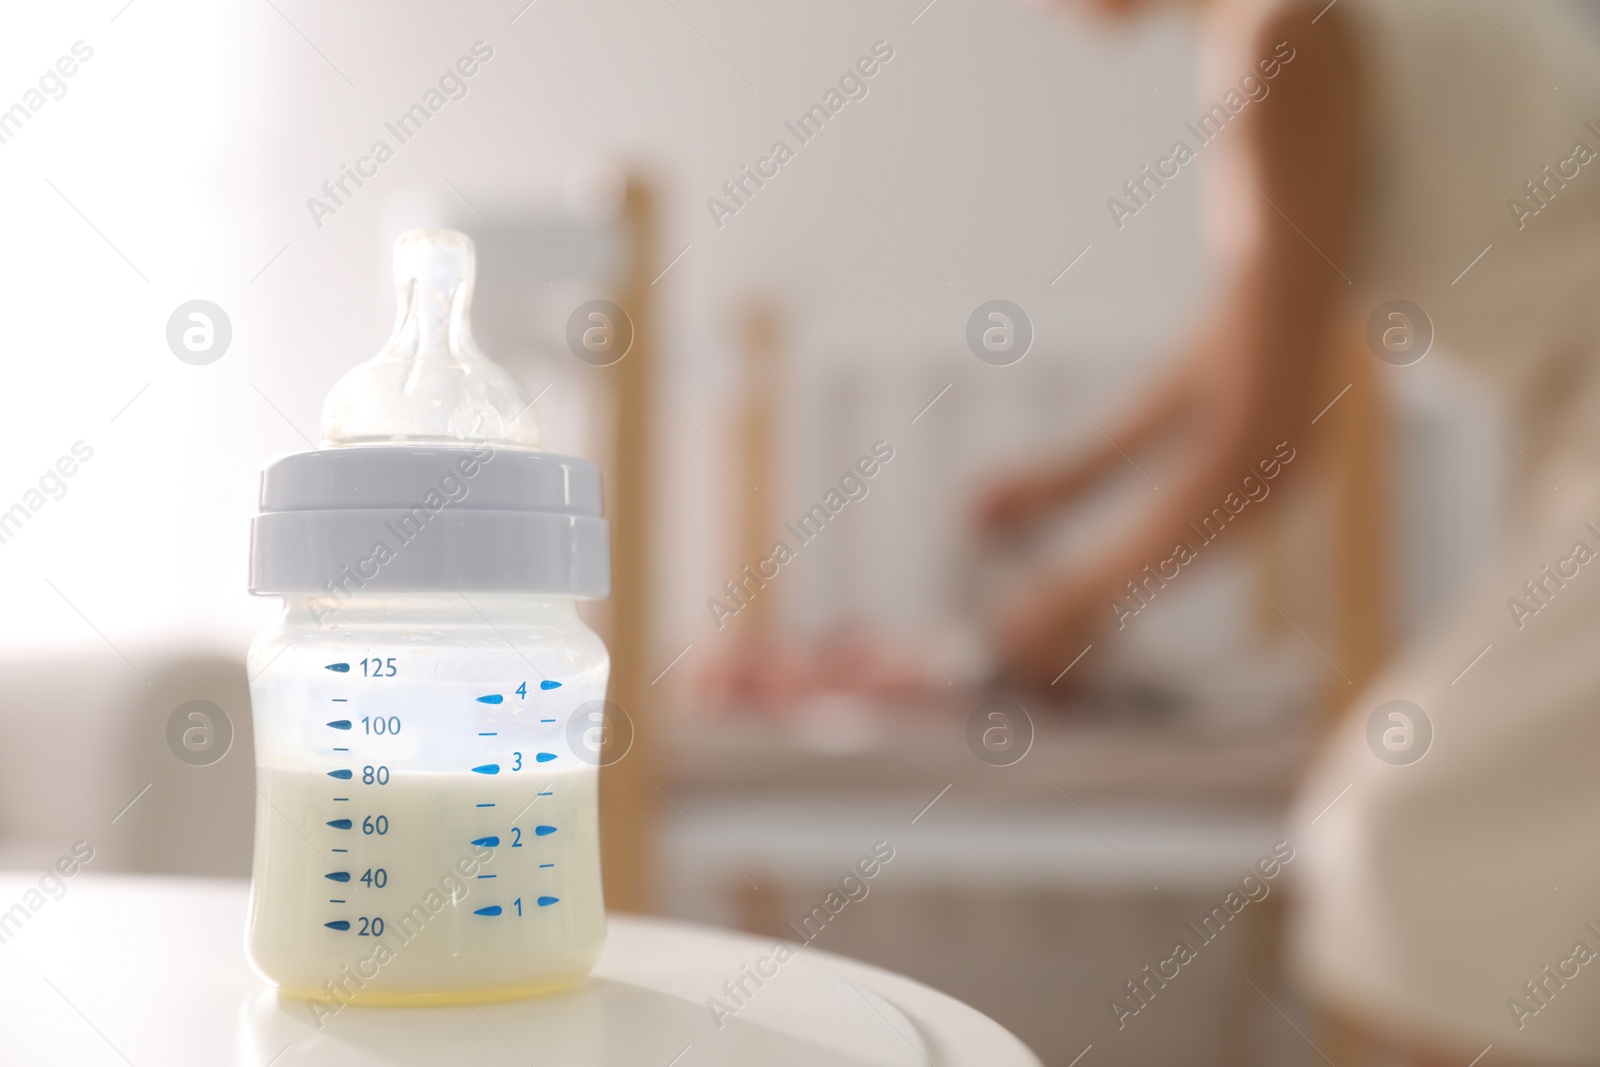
<point x="427" y="825"/>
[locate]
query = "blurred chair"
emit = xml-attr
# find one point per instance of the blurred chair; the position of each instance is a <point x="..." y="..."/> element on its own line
<point x="598" y="244"/>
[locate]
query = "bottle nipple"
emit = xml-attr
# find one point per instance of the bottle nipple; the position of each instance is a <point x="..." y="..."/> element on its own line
<point x="431" y="383"/>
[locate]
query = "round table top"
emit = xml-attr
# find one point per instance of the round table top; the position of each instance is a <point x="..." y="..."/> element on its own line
<point x="143" y="970"/>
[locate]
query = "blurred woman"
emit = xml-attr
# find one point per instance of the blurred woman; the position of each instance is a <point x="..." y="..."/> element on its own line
<point x="1446" y="152"/>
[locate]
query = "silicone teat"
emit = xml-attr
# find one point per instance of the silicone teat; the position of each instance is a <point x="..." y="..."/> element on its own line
<point x="430" y="383"/>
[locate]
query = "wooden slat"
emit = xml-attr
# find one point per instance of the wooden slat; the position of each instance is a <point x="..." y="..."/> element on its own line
<point x="628" y="800"/>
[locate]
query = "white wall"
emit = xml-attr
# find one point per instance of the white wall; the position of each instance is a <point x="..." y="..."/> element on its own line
<point x="192" y="140"/>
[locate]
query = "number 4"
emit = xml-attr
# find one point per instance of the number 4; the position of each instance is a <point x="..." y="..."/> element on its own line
<point x="522" y="690"/>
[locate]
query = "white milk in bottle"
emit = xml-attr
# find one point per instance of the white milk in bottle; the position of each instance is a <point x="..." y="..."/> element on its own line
<point x="428" y="706"/>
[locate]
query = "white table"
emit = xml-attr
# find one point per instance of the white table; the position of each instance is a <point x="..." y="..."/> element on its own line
<point x="151" y="971"/>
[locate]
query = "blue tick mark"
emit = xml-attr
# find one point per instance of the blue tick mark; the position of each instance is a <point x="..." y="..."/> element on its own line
<point x="339" y="824"/>
<point x="492" y="698"/>
<point x="543" y="831"/>
<point x="338" y="876"/>
<point x="487" y="768"/>
<point x="488" y="842"/>
<point x="545" y="757"/>
<point x="340" y="724"/>
<point x="545" y="902"/>
<point x="343" y="775"/>
<point x="338" y="924"/>
<point x="548" y="684"/>
<point x="491" y="910"/>
<point x="340" y="668"/>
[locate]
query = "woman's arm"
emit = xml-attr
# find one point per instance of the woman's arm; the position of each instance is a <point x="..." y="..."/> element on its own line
<point x="1247" y="382"/>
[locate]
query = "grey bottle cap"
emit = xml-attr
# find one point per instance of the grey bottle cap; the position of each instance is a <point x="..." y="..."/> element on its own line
<point x="402" y="518"/>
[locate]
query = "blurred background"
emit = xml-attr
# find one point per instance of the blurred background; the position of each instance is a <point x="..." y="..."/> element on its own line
<point x="774" y="346"/>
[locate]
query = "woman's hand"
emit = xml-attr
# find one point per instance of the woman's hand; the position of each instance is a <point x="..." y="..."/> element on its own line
<point x="1047" y="629"/>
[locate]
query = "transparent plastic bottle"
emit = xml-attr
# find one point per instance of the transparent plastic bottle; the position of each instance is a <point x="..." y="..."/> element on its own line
<point x="427" y="821"/>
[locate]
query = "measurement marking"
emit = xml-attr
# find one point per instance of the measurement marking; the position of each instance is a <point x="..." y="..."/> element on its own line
<point x="341" y="750"/>
<point x="339" y="668"/>
<point x="487" y="768"/>
<point x="545" y="902"/>
<point x="338" y="850"/>
<point x="530" y="803"/>
<point x="547" y="720"/>
<point x="341" y="700"/>
<point x="342" y="798"/>
<point x="547" y="794"/>
<point x="543" y="831"/>
<point x="491" y="911"/>
<point x="488" y="876"/>
<point x="339" y="824"/>
<point x="343" y="774"/>
<point x="1474" y="663"/>
<point x="489" y="733"/>
<point x="548" y="684"/>
<point x="338" y="876"/>
<point x="492" y="698"/>
<point x="931" y="803"/>
<point x="332" y="901"/>
<point x="544" y="757"/>
<point x="340" y="724"/>
<point x="488" y="842"/>
<point x="338" y="924"/>
<point x="485" y="805"/>
<point x="546" y="865"/>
